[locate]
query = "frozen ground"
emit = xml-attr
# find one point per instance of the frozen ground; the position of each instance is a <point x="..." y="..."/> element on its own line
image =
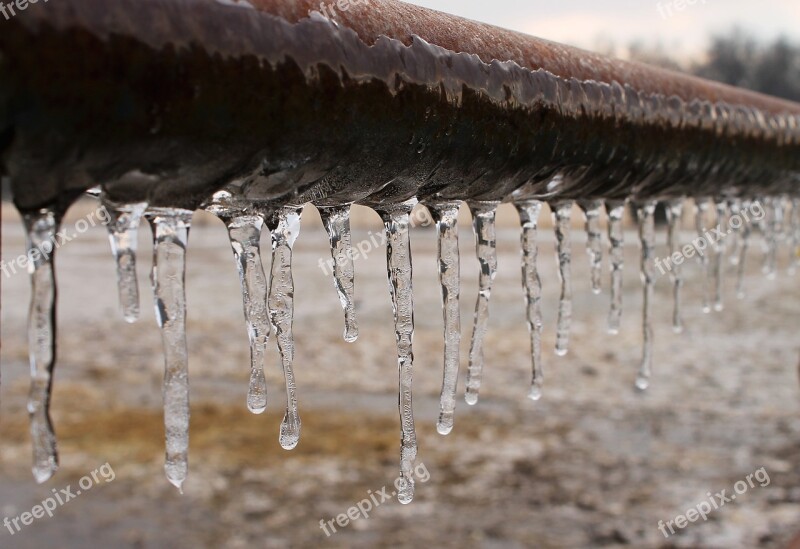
<point x="593" y="464"/>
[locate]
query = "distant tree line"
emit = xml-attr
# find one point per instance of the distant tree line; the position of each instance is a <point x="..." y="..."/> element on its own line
<point x="736" y="58"/>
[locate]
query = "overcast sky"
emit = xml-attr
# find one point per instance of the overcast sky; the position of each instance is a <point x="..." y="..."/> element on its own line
<point x="588" y="23"/>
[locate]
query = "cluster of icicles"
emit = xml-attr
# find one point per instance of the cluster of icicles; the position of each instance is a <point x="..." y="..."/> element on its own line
<point x="269" y="301"/>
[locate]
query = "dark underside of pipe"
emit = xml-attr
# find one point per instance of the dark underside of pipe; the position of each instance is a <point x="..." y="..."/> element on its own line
<point x="167" y="101"/>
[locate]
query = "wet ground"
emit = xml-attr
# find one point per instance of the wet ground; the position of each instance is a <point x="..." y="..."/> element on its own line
<point x="593" y="464"/>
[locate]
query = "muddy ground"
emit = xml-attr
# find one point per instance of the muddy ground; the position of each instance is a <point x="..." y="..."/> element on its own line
<point x="593" y="464"/>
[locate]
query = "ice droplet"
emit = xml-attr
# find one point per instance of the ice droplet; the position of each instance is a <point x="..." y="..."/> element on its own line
<point x="398" y="260"/>
<point x="616" y="238"/>
<point x="170" y="240"/>
<point x="445" y="214"/>
<point x="719" y="252"/>
<point x="337" y="224"/>
<point x="594" y="241"/>
<point x="562" y="214"/>
<point x="529" y="212"/>
<point x="285" y="227"/>
<point x="41" y="228"/>
<point x="674" y="210"/>
<point x="483" y="226"/>
<point x="646" y="213"/>
<point x="123" y="225"/>
<point x="701" y="210"/>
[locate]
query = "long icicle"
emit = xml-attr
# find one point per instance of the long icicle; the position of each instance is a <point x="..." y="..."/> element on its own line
<point x="594" y="241"/>
<point x="337" y="224"/>
<point x="646" y="213"/>
<point x="719" y="252"/>
<point x="445" y="214"/>
<point x="398" y="260"/>
<point x="747" y="230"/>
<point x="674" y="211"/>
<point x="170" y="240"/>
<point x="483" y="225"/>
<point x="562" y="214"/>
<point x="529" y="212"/>
<point x="616" y="238"/>
<point x="244" y="232"/>
<point x="41" y="228"/>
<point x="701" y="209"/>
<point x="123" y="225"/>
<point x="794" y="258"/>
<point x="285" y="226"/>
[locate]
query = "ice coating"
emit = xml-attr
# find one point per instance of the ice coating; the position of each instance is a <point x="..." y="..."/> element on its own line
<point x="616" y="238"/>
<point x="645" y="214"/>
<point x="674" y="210"/>
<point x="122" y="226"/>
<point x="170" y="240"/>
<point x="483" y="225"/>
<point x="285" y="227"/>
<point x="562" y="215"/>
<point x="529" y="212"/>
<point x="594" y="240"/>
<point x="396" y="220"/>
<point x="445" y="215"/>
<point x="337" y="224"/>
<point x="41" y="228"/>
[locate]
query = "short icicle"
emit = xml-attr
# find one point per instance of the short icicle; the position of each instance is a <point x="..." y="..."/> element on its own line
<point x="285" y="227"/>
<point x="594" y="241"/>
<point x="337" y="224"/>
<point x="398" y="259"/>
<point x="123" y="225"/>
<point x="616" y="238"/>
<point x="483" y="225"/>
<point x="746" y="232"/>
<point x="701" y="209"/>
<point x="562" y="214"/>
<point x="170" y="241"/>
<point x="674" y="209"/>
<point x="529" y="212"/>
<point x="719" y="252"/>
<point x="646" y="213"/>
<point x="41" y="228"/>
<point x="445" y="214"/>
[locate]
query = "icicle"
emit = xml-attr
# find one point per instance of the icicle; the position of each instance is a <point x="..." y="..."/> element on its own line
<point x="774" y="230"/>
<point x="123" y="225"/>
<point x="674" y="211"/>
<point x="794" y="259"/>
<point x="285" y="226"/>
<point x="562" y="213"/>
<point x="701" y="208"/>
<point x="647" y="236"/>
<point x="719" y="252"/>
<point x="594" y="241"/>
<point x="616" y="236"/>
<point x="745" y="245"/>
<point x="483" y="225"/>
<point x="398" y="259"/>
<point x="529" y="218"/>
<point x="734" y="240"/>
<point x="170" y="240"/>
<point x="446" y="217"/>
<point x="41" y="230"/>
<point x="337" y="224"/>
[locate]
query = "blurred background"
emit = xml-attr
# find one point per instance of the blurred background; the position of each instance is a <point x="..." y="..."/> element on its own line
<point x="593" y="464"/>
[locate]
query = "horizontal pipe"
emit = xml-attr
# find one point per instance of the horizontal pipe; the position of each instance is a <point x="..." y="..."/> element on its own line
<point x="166" y="101"/>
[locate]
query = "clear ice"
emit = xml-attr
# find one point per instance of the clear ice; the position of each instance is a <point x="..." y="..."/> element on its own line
<point x="645" y="214"/>
<point x="594" y="241"/>
<point x="701" y="210"/>
<point x="674" y="210"/>
<point x="616" y="238"/>
<point x="562" y="215"/>
<point x="337" y="224"/>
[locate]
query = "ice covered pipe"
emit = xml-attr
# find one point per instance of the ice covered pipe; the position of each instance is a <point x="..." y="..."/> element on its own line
<point x="252" y="109"/>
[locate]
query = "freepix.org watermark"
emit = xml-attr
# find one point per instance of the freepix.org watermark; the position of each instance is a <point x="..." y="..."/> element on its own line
<point x="755" y="212"/>
<point x="59" y="498"/>
<point x="11" y="9"/>
<point x="668" y="9"/>
<point x="363" y="508"/>
<point x="714" y="503"/>
<point x="25" y="261"/>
